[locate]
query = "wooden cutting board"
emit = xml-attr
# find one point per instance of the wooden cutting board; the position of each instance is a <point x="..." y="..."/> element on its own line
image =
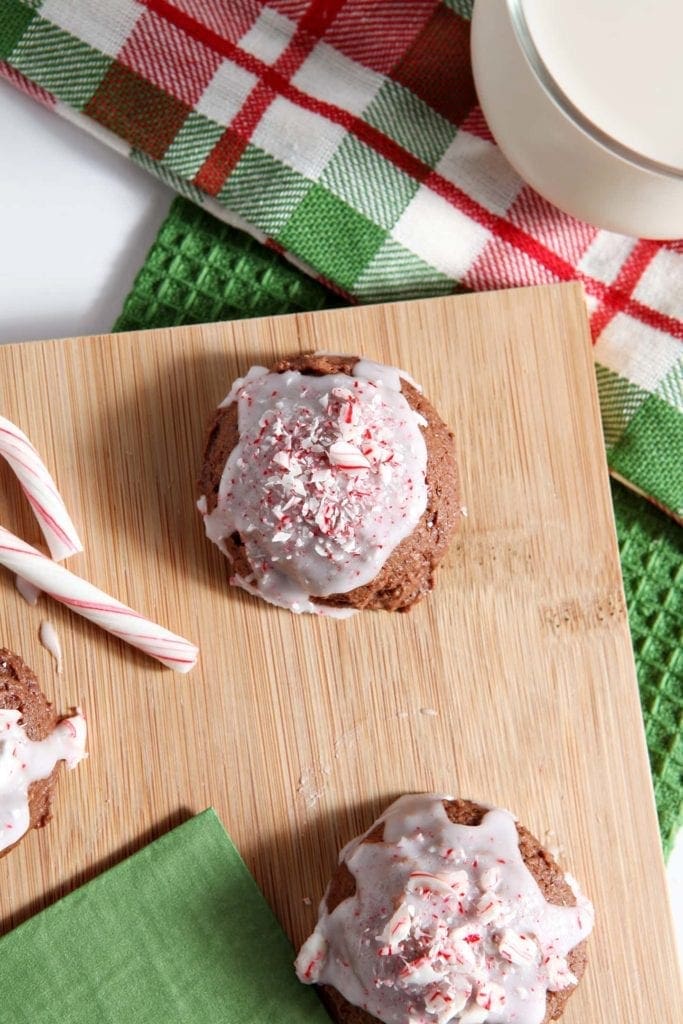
<point x="512" y="683"/>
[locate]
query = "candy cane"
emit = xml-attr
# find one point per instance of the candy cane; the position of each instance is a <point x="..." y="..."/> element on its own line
<point x="41" y="491"/>
<point x="95" y="605"/>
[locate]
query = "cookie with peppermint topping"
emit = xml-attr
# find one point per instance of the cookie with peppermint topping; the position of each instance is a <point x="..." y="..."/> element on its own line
<point x="330" y="484"/>
<point x="447" y="912"/>
<point x="34" y="741"/>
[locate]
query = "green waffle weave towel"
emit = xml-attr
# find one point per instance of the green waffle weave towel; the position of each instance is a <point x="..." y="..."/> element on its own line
<point x="200" y="270"/>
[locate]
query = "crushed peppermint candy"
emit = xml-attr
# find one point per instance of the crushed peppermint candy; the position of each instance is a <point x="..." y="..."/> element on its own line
<point x="328" y="476"/>
<point x="447" y="924"/>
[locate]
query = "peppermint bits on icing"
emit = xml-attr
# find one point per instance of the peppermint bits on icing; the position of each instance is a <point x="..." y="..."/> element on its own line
<point x="446" y="924"/>
<point x="348" y="457"/>
<point x="327" y="478"/>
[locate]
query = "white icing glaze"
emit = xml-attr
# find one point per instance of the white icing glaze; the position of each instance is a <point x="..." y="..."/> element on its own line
<point x="49" y="638"/>
<point x="23" y="761"/>
<point x="28" y="591"/>
<point x="252" y="374"/>
<point x="327" y="478"/>
<point x="446" y="924"/>
<point x="389" y="376"/>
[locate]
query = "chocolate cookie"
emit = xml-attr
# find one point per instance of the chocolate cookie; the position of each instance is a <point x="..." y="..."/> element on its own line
<point x="27" y="720"/>
<point x="464" y="928"/>
<point x="340" y="494"/>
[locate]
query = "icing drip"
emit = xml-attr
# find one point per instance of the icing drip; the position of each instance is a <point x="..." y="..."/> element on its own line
<point x="27" y="590"/>
<point x="446" y="924"/>
<point x="23" y="761"/>
<point x="49" y="638"/>
<point x="327" y="478"/>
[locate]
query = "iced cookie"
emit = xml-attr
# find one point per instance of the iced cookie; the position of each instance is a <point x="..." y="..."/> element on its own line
<point x="446" y="911"/>
<point x="34" y="741"/>
<point x="330" y="484"/>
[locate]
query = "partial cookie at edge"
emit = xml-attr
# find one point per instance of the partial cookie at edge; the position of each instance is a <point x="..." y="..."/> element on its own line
<point x="548" y="876"/>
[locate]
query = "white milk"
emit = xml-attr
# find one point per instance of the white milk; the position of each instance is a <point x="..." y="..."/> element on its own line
<point x="585" y="99"/>
<point x="621" y="63"/>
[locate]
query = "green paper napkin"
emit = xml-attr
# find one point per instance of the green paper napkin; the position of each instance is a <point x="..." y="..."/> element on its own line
<point x="179" y="932"/>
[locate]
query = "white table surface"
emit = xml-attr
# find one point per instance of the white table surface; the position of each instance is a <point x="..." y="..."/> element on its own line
<point x="77" y="220"/>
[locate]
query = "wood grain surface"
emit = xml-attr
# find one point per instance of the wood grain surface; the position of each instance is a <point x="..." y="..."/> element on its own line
<point x="513" y="683"/>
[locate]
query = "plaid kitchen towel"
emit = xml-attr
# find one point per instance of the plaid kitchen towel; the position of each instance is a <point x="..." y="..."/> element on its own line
<point x="346" y="134"/>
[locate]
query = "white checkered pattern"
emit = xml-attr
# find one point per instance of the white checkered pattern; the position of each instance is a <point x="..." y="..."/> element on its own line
<point x="299" y="138"/>
<point x="330" y="76"/>
<point x="269" y="36"/>
<point x="605" y="256"/>
<point x="644" y="364"/>
<point x="98" y="23"/>
<point x="226" y="92"/>
<point x="480" y="169"/>
<point x="452" y="242"/>
<point x="655" y="286"/>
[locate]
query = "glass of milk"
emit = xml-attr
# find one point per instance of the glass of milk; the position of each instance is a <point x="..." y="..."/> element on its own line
<point x="585" y="98"/>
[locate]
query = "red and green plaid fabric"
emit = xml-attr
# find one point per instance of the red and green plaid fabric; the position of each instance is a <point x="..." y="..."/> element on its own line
<point x="346" y="134"/>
